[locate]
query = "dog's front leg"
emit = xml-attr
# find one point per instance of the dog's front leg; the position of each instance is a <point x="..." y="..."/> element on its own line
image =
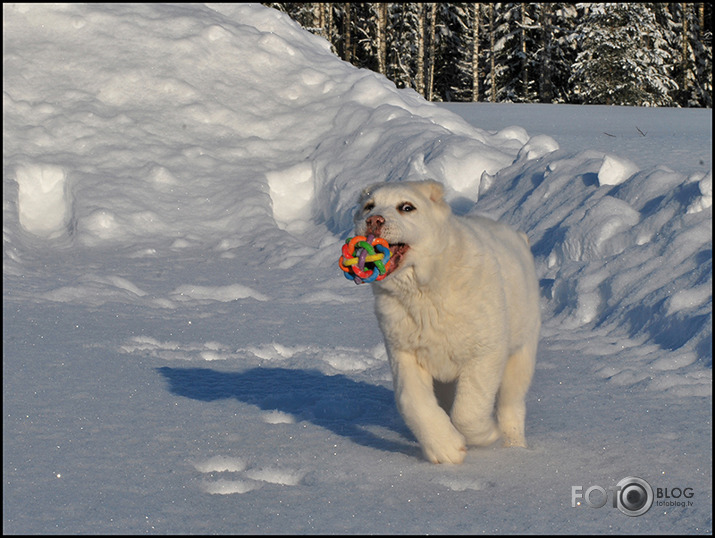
<point x="439" y="439"/>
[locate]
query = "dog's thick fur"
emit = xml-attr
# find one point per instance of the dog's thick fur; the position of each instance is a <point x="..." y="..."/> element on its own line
<point x="460" y="317"/>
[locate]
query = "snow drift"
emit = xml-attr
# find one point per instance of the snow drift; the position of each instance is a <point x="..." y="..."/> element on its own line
<point x="209" y="131"/>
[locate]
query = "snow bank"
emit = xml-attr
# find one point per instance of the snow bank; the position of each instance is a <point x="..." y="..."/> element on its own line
<point x="230" y="127"/>
<point x="614" y="256"/>
<point x="181" y="137"/>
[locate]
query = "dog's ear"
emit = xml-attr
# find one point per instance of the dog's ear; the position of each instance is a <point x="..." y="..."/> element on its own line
<point x="431" y="189"/>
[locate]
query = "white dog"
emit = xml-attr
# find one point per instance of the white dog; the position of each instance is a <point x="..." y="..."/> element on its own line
<point x="459" y="310"/>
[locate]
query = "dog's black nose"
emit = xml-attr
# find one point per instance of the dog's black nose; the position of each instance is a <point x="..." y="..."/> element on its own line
<point x="375" y="224"/>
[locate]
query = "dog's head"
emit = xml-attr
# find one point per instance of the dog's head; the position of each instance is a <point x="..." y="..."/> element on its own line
<point x="409" y="215"/>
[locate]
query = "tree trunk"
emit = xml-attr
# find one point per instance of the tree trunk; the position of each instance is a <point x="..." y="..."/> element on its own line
<point x="522" y="47"/>
<point x="319" y="18"/>
<point x="348" y="32"/>
<point x="329" y="22"/>
<point x="382" y="38"/>
<point x="492" y="74"/>
<point x="685" y="7"/>
<point x="430" y="77"/>
<point x="420" y="75"/>
<point x="546" y="93"/>
<point x="475" y="50"/>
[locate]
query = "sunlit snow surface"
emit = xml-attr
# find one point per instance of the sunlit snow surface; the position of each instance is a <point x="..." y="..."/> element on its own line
<point x="182" y="355"/>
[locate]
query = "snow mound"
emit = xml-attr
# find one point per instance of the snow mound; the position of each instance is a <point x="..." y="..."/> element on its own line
<point x="629" y="255"/>
<point x="155" y="160"/>
<point x="536" y="147"/>
<point x="220" y="463"/>
<point x="615" y="170"/>
<point x="232" y="292"/>
<point x="44" y="200"/>
<point x="705" y="200"/>
<point x="237" y="133"/>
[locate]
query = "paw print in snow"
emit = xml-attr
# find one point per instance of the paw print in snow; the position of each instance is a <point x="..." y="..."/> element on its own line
<point x="247" y="479"/>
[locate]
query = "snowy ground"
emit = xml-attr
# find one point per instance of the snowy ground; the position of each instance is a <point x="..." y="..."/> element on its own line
<point x="182" y="355"/>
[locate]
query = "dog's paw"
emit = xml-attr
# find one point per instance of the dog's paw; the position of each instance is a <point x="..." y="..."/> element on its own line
<point x="513" y="434"/>
<point x="515" y="442"/>
<point x="450" y="448"/>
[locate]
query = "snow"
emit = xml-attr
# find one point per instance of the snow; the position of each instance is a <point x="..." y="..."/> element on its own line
<point x="182" y="355"/>
<point x="615" y="171"/>
<point x="44" y="206"/>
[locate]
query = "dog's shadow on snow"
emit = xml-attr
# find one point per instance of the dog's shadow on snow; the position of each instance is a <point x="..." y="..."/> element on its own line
<point x="346" y="407"/>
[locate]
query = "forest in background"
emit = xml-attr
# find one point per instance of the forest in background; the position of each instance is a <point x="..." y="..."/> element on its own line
<point x="636" y="54"/>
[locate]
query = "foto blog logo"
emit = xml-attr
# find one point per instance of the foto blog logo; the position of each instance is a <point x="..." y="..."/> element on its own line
<point x="633" y="496"/>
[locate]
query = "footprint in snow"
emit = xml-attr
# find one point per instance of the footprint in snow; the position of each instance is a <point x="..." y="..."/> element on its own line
<point x="242" y="479"/>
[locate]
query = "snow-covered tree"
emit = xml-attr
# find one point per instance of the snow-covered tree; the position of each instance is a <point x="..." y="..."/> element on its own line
<point x="454" y="62"/>
<point x="624" y="58"/>
<point x="656" y="54"/>
<point x="404" y="40"/>
<point x="555" y="53"/>
<point x="515" y="36"/>
<point x="689" y="34"/>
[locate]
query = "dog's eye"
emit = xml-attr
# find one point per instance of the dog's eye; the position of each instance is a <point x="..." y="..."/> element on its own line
<point x="405" y="207"/>
<point x="368" y="207"/>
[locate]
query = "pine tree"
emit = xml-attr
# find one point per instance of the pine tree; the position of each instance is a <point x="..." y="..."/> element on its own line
<point x="460" y="50"/>
<point x="452" y="72"/>
<point x="365" y="51"/>
<point x="657" y="54"/>
<point x="555" y="53"/>
<point x="546" y="53"/>
<point x="499" y="81"/>
<point x="692" y="42"/>
<point x="513" y="52"/>
<point x="702" y="46"/>
<point x="623" y="58"/>
<point x="401" y="45"/>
